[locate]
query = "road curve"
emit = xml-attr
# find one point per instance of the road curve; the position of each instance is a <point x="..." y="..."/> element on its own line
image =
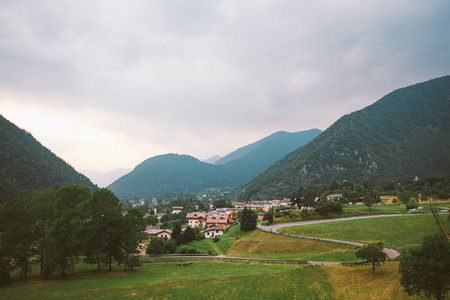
<point x="392" y="253"/>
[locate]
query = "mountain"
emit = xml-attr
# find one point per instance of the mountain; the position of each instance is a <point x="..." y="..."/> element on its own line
<point x="278" y="144"/>
<point x="212" y="159"/>
<point x="405" y="133"/>
<point x="26" y="164"/>
<point x="103" y="179"/>
<point x="173" y="173"/>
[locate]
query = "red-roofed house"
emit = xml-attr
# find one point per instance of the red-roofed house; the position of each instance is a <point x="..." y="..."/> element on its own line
<point x="217" y="220"/>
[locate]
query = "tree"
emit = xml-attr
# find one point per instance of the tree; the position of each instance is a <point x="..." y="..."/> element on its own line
<point x="426" y="270"/>
<point x="412" y="203"/>
<point x="151" y="220"/>
<point x="105" y="223"/>
<point x="222" y="203"/>
<point x="373" y="253"/>
<point x="369" y="199"/>
<point x="268" y="216"/>
<point x="309" y="198"/>
<point x="188" y="235"/>
<point x="68" y="232"/>
<point x="248" y="219"/>
<point x="156" y="246"/>
<point x="176" y="233"/>
<point x="170" y="246"/>
<point x="18" y="237"/>
<point x="327" y="207"/>
<point x="133" y="226"/>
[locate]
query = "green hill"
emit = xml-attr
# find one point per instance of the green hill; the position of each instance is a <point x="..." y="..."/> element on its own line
<point x="173" y="173"/>
<point x="26" y="164"/>
<point x="406" y="133"/>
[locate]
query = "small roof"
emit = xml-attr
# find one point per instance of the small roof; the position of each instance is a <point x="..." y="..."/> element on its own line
<point x="214" y="228"/>
<point x="196" y="215"/>
<point x="221" y="219"/>
<point x="155" y="230"/>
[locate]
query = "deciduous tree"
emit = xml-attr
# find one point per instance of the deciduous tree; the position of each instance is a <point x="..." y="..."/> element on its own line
<point x="373" y="253"/>
<point x="426" y="270"/>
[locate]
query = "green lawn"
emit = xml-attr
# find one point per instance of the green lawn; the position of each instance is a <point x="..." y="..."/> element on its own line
<point x="166" y="280"/>
<point x="215" y="280"/>
<point x="402" y="231"/>
<point x="258" y="244"/>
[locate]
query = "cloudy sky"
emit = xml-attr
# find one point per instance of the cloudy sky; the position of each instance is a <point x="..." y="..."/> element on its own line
<point x="107" y="84"/>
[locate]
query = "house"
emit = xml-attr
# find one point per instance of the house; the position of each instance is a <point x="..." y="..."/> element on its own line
<point x="232" y="212"/>
<point x="177" y="209"/>
<point x="196" y="219"/>
<point x="158" y="232"/>
<point x="239" y="204"/>
<point x="214" y="231"/>
<point x="334" y="197"/>
<point x="217" y="220"/>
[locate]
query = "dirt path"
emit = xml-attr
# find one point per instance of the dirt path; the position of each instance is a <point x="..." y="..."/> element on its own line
<point x="220" y="257"/>
<point x="273" y="229"/>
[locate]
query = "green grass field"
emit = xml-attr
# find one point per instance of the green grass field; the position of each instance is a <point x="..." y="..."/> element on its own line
<point x="402" y="232"/>
<point x="215" y="280"/>
<point x="258" y="244"/>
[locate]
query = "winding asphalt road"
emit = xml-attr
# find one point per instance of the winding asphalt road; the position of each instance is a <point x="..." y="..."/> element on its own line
<point x="273" y="228"/>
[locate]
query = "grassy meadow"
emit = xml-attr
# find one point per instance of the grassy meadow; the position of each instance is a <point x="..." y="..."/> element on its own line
<point x="258" y="244"/>
<point x="215" y="280"/>
<point x="400" y="231"/>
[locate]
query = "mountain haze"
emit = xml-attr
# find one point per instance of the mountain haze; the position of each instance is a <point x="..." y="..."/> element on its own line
<point x="26" y="164"/>
<point x="405" y="133"/>
<point x="103" y="179"/>
<point x="173" y="173"/>
<point x="279" y="143"/>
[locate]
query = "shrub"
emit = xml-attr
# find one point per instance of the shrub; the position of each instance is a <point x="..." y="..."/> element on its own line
<point x="412" y="203"/>
<point x="216" y="239"/>
<point x="306" y="213"/>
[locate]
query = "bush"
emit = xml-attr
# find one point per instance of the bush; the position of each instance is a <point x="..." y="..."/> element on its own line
<point x="216" y="239"/>
<point x="306" y="214"/>
<point x="132" y="262"/>
<point x="187" y="250"/>
<point x="412" y="203"/>
<point x="327" y="207"/>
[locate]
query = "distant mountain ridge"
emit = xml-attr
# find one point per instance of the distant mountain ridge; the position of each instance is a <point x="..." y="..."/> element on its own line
<point x="405" y="133"/>
<point x="172" y="173"/>
<point x="26" y="164"/>
<point x="285" y="142"/>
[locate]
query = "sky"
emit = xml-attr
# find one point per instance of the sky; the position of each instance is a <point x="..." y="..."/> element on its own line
<point x="108" y="84"/>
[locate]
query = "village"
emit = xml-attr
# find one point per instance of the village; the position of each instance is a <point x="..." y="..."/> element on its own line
<point x="214" y="223"/>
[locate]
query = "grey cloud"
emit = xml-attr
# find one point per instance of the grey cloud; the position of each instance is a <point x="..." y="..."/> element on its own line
<point x="200" y="68"/>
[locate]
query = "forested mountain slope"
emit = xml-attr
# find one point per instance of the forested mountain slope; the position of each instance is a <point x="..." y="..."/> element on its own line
<point x="173" y="173"/>
<point x="275" y="145"/>
<point x="405" y="133"/>
<point x="26" y="164"/>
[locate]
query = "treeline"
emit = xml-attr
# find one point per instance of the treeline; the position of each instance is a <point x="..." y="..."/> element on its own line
<point x="436" y="187"/>
<point x="60" y="228"/>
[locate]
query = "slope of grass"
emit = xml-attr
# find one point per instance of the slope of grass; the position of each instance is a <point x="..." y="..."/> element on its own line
<point x="260" y="244"/>
<point x="402" y="232"/>
<point x="216" y="280"/>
